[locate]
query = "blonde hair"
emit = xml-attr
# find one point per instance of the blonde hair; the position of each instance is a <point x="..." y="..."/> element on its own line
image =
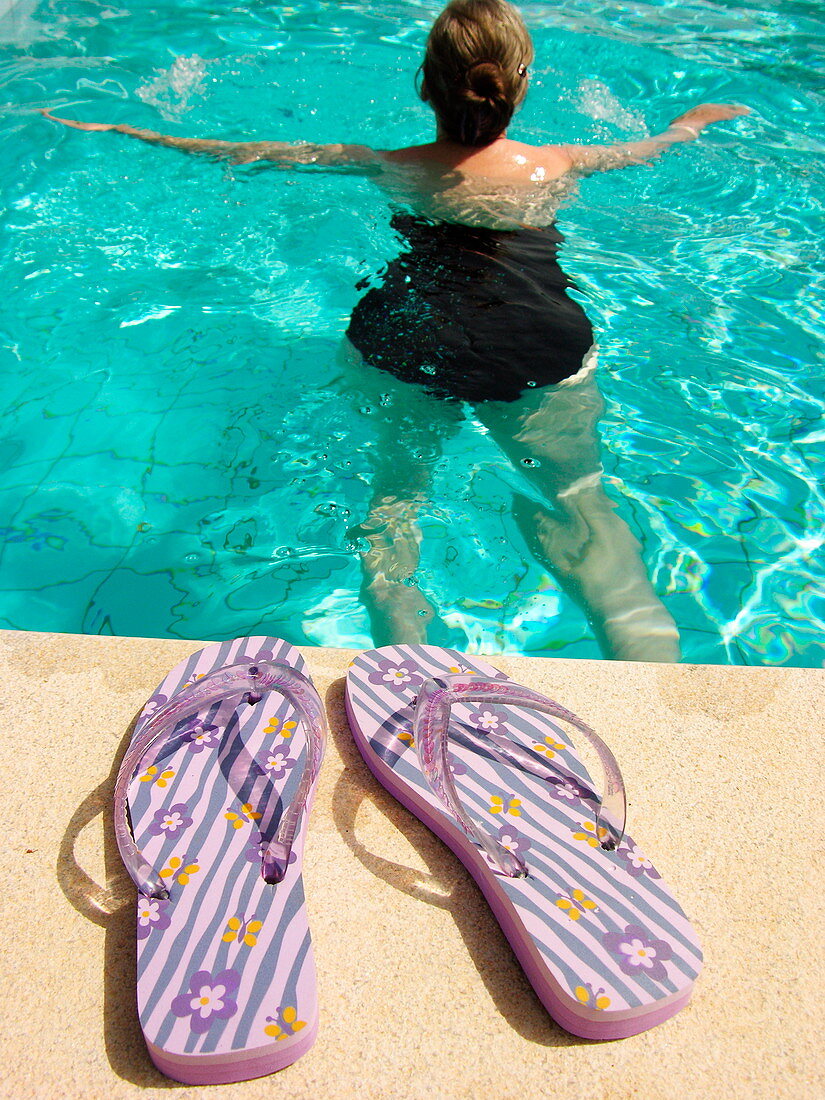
<point x="474" y="73"/>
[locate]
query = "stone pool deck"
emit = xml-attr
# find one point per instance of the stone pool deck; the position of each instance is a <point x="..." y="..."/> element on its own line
<point x="420" y="994"/>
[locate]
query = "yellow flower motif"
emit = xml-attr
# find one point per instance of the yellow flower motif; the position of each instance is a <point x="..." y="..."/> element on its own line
<point x="407" y="737"/>
<point x="499" y="805"/>
<point x="590" y="835"/>
<point x="151" y="776"/>
<point x="289" y="1024"/>
<point x="286" y="730"/>
<point x="177" y="871"/>
<point x="246" y="815"/>
<point x="456" y="669"/>
<point x="550" y="747"/>
<point x="575" y="903"/>
<point x="585" y="994"/>
<point x="244" y="931"/>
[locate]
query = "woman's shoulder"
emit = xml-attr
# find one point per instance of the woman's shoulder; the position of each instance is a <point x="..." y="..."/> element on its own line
<point x="412" y="154"/>
<point x="540" y="161"/>
<point x="503" y="159"/>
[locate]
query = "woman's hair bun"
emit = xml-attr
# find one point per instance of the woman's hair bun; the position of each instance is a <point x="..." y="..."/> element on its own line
<point x="486" y="80"/>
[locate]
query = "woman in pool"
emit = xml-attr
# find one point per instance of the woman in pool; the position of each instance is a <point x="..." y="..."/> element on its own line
<point x="475" y="309"/>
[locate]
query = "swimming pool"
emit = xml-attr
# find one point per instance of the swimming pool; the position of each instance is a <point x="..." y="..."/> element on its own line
<point x="179" y="455"/>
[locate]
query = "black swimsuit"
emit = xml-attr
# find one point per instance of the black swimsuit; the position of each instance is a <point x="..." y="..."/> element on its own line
<point x="473" y="314"/>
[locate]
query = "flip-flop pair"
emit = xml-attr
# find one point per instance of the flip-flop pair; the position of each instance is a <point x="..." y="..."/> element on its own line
<point x="211" y="809"/>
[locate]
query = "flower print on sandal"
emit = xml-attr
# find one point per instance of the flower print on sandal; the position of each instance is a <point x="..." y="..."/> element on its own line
<point x="217" y="784"/>
<point x="490" y="767"/>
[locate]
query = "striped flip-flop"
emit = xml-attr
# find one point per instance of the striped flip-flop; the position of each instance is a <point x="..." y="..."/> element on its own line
<point x="490" y="767"/>
<point x="211" y="806"/>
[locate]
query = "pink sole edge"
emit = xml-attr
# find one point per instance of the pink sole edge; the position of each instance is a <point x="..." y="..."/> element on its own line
<point x="199" y="1070"/>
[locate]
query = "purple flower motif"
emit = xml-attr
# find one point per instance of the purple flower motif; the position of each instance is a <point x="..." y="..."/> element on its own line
<point x="255" y="853"/>
<point x="154" y="703"/>
<point x="487" y="719"/>
<point x="638" y="952"/>
<point x="637" y="862"/>
<point x="152" y="916"/>
<point x="171" y="820"/>
<point x="396" y="675"/>
<point x="278" y="763"/>
<point x="209" y="998"/>
<point x="245" y="659"/>
<point x="202" y="736"/>
<point x="567" y="789"/>
<point x="456" y="767"/>
<point x="512" y="840"/>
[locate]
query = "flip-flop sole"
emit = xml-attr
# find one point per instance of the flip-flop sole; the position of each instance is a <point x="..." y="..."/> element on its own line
<point x="226" y="976"/>
<point x="605" y="945"/>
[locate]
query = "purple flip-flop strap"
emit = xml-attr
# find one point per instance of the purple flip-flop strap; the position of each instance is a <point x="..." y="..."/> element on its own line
<point x="245" y="682"/>
<point x="431" y="723"/>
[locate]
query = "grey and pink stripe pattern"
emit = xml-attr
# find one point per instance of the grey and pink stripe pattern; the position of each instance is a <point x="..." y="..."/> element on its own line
<point x="226" y="975"/>
<point x="606" y="946"/>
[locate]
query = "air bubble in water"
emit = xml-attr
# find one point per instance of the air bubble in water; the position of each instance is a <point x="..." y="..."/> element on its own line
<point x="358" y="546"/>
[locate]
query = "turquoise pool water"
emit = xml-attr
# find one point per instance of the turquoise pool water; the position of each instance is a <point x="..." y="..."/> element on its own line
<point x="178" y="456"/>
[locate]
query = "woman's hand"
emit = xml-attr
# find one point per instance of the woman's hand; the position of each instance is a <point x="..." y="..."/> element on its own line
<point x="78" y="125"/>
<point x="699" y="117"/>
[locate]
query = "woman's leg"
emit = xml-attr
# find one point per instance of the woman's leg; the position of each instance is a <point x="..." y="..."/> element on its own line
<point x="551" y="436"/>
<point x="399" y="612"/>
<point x="409" y="426"/>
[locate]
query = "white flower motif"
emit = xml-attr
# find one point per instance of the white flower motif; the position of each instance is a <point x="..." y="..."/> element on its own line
<point x="488" y="721"/>
<point x="202" y="735"/>
<point x="208" y="1000"/>
<point x="637" y="857"/>
<point x="565" y="789"/>
<point x="148" y="912"/>
<point x="398" y="675"/>
<point x="171" y="822"/>
<point x="638" y="953"/>
<point x="277" y="763"/>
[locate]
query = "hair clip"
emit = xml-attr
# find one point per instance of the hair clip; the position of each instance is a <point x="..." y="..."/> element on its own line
<point x="522" y="70"/>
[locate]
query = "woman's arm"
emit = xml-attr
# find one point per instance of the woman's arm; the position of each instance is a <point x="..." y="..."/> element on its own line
<point x="244" y="152"/>
<point x="601" y="158"/>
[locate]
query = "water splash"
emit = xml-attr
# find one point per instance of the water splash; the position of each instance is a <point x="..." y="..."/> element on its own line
<point x="597" y="101"/>
<point x="172" y="90"/>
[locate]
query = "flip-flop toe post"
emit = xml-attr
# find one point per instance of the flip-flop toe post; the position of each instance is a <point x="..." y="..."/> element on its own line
<point x="490" y="767"/>
<point x="211" y="807"/>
